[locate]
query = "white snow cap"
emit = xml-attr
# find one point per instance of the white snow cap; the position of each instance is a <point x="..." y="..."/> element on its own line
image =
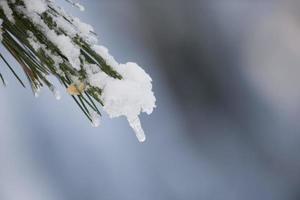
<point x="131" y="95"/>
<point x="127" y="97"/>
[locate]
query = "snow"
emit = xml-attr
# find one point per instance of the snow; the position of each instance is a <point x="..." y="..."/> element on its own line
<point x="129" y="96"/>
<point x="7" y="10"/>
<point x="38" y="6"/>
<point x="103" y="52"/>
<point x="83" y="28"/>
<point x="66" y="46"/>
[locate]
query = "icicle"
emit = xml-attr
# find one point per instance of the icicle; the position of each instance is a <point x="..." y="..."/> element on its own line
<point x="56" y="93"/>
<point x="37" y="92"/>
<point x="95" y="119"/>
<point x="138" y="130"/>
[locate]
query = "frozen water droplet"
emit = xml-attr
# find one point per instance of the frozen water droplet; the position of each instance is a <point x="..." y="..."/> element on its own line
<point x="138" y="130"/>
<point x="95" y="119"/>
<point x="56" y="93"/>
<point x="37" y="92"/>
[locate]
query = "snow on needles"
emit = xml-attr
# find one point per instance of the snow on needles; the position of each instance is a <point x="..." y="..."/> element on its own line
<point x="7" y="11"/>
<point x="129" y="96"/>
<point x="38" y="6"/>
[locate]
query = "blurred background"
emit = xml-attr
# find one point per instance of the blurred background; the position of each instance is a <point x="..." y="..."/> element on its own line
<point x="226" y="77"/>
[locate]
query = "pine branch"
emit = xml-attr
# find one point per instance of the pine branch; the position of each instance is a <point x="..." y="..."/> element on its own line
<point x="46" y="41"/>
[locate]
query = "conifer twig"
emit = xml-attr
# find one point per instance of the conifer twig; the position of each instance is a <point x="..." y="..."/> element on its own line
<point x="46" y="41"/>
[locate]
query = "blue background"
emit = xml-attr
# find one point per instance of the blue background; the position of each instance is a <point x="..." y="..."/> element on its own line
<point x="227" y="119"/>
